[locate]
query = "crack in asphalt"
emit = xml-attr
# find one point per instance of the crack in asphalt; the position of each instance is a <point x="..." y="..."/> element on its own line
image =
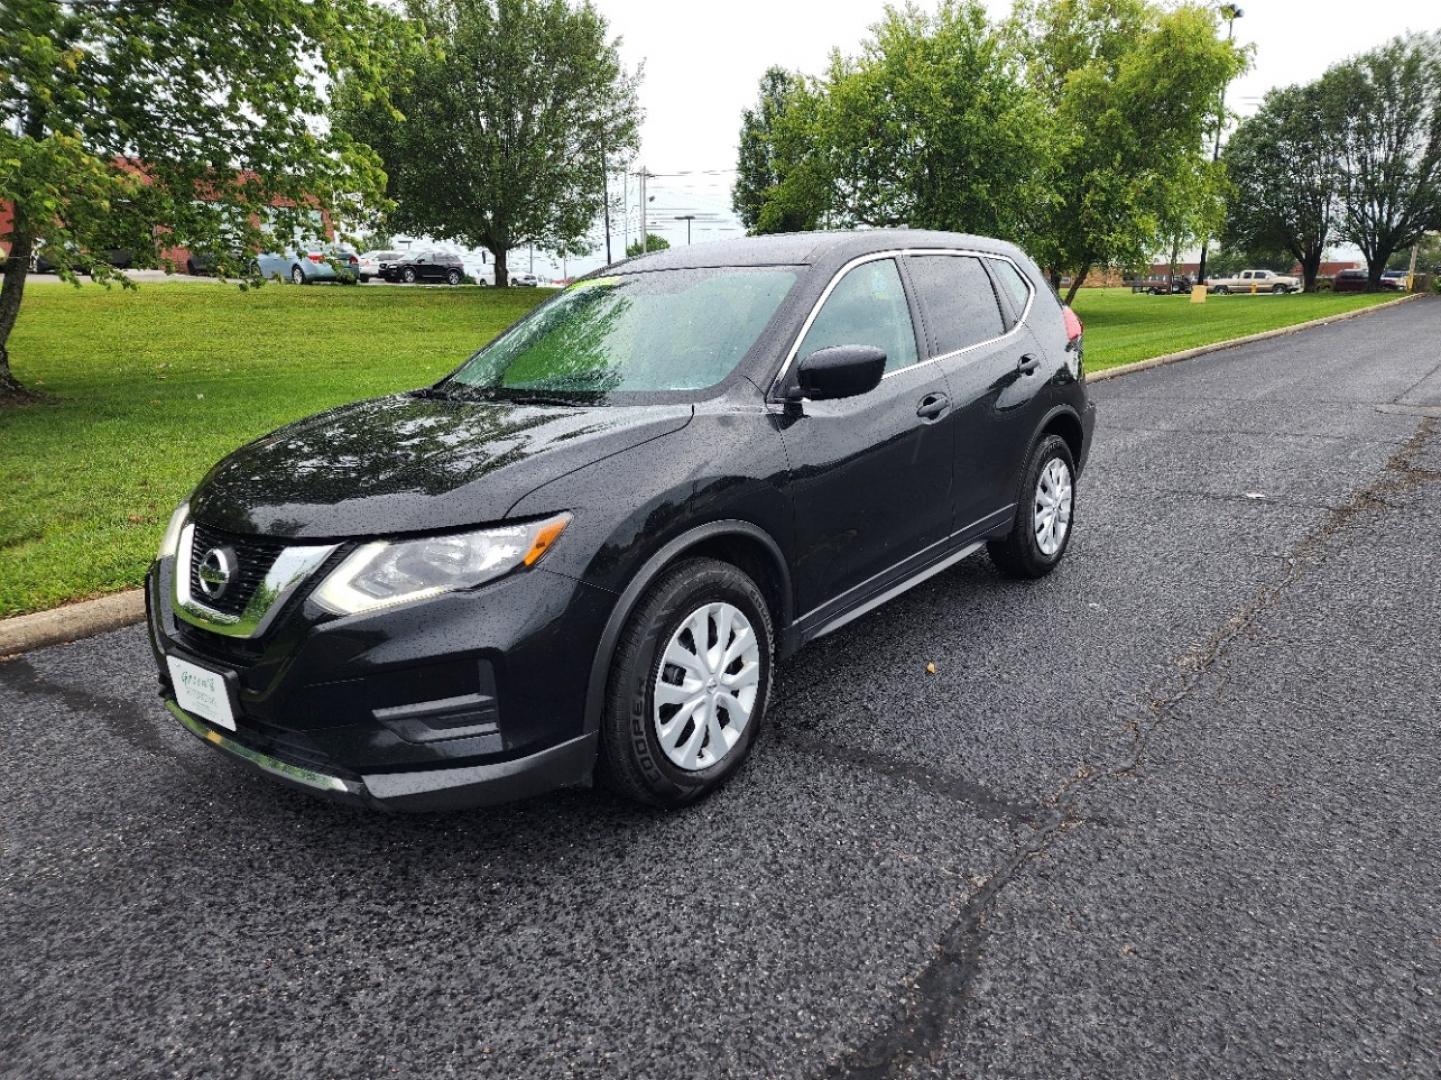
<point x="939" y="991"/>
<point x="986" y="802"/>
<point x="124" y="718"/>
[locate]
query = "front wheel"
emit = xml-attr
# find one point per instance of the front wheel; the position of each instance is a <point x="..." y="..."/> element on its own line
<point x="1277" y="290"/>
<point x="409" y="276"/>
<point x="689" y="685"/>
<point x="1044" y="514"/>
<point x="452" y="277"/>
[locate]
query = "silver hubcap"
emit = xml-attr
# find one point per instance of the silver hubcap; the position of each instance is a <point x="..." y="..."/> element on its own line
<point x="706" y="686"/>
<point x="1053" y="506"/>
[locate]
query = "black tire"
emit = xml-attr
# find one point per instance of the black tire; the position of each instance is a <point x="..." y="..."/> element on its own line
<point x="297" y="276"/>
<point x="1018" y="554"/>
<point x="1151" y="291"/>
<point x="365" y="279"/>
<point x="408" y="276"/>
<point x="452" y="277"/>
<point x="1277" y="290"/>
<point x="632" y="762"/>
<point x="1220" y="290"/>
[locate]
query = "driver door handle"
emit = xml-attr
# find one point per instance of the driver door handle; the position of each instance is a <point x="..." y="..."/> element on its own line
<point x="933" y="406"/>
<point x="1028" y="364"/>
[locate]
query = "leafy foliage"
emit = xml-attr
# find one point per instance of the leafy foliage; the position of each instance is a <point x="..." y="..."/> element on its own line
<point x="1390" y="145"/>
<point x="1284" y="167"/>
<point x="766" y="155"/>
<point x="509" y="112"/>
<point x="652" y="242"/>
<point x="1133" y="89"/>
<point x="141" y="125"/>
<point x="929" y="127"/>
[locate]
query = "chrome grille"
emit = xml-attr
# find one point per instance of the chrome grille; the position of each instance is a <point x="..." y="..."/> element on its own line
<point x="254" y="556"/>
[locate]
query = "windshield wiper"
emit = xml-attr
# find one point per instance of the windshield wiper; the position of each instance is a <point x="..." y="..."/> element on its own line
<point x="541" y="399"/>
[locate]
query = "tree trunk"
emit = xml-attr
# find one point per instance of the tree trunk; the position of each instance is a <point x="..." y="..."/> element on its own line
<point x="1076" y="283"/>
<point x="502" y="270"/>
<point x="1310" y="267"/>
<point x="17" y="268"/>
<point x="1055" y="276"/>
<point x="1374" y="269"/>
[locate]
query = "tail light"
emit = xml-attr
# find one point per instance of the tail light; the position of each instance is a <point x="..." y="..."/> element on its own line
<point x="1074" y="327"/>
<point x="316" y="256"/>
<point x="354" y="260"/>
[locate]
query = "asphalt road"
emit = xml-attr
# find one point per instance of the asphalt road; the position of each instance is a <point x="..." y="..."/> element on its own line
<point x="1170" y="812"/>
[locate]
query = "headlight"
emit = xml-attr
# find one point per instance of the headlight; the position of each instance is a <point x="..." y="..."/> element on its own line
<point x="385" y="573"/>
<point x="171" y="540"/>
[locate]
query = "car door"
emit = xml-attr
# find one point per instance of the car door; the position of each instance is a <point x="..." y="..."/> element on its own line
<point x="992" y="365"/>
<point x="869" y="476"/>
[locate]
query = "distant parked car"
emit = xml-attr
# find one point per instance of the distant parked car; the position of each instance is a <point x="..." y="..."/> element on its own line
<point x="433" y="266"/>
<point x="1256" y="281"/>
<point x="119" y="258"/>
<point x="305" y="267"/>
<point x="1349" y="281"/>
<point x="524" y="281"/>
<point x="1164" y="286"/>
<point x="1395" y="280"/>
<point x="373" y="263"/>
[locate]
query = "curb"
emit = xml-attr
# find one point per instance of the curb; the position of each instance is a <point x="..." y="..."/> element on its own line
<point x="71" y="622"/>
<point x="1220" y="346"/>
<point x="88" y="617"/>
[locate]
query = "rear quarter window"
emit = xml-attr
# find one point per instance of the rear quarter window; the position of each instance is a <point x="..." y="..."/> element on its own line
<point x="960" y="306"/>
<point x="1013" y="284"/>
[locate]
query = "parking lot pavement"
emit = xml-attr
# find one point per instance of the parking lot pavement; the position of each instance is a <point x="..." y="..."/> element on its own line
<point x="1167" y="812"/>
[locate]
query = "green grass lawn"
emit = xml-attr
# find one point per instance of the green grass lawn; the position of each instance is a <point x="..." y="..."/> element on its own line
<point x="149" y="388"/>
<point x="1123" y="327"/>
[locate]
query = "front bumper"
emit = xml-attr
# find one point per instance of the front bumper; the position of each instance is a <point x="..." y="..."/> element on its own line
<point x="453" y="788"/>
<point x="464" y="700"/>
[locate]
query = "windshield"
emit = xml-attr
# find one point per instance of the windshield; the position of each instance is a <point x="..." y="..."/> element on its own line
<point x="663" y="331"/>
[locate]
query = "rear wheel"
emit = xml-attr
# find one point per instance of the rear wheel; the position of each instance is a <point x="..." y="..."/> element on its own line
<point x="1220" y="290"/>
<point x="1044" y="514"/>
<point x="297" y="275"/>
<point x="689" y="685"/>
<point x="408" y="276"/>
<point x="452" y="277"/>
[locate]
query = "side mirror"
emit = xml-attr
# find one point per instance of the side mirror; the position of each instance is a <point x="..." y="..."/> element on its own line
<point x="841" y="371"/>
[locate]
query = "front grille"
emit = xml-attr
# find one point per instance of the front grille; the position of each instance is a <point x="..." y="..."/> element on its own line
<point x="254" y="556"/>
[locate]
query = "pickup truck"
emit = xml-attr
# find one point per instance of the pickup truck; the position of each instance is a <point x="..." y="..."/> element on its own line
<point x="1255" y="281"/>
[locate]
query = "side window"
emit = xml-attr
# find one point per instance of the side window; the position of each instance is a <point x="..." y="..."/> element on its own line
<point x="1013" y="283"/>
<point x="867" y="307"/>
<point x="959" y="304"/>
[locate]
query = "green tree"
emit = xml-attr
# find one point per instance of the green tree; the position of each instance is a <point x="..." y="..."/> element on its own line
<point x="929" y="126"/>
<point x="143" y="125"/>
<point x="761" y="164"/>
<point x="652" y="242"/>
<point x="1390" y="146"/>
<point x="1285" y="170"/>
<point x="1133" y="89"/>
<point x="509" y="116"/>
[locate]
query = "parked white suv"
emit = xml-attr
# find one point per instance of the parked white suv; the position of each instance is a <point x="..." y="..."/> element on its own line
<point x="1255" y="281"/>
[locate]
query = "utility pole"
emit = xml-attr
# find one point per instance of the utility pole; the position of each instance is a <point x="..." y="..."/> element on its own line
<point x="625" y="209"/>
<point x="605" y="203"/>
<point x="644" y="174"/>
<point x="687" y="218"/>
<point x="1229" y="12"/>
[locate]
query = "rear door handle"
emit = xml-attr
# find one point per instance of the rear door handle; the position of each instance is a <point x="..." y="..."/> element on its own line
<point x="933" y="406"/>
<point x="1028" y="364"/>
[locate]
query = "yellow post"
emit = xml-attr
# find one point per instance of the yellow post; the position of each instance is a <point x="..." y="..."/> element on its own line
<point x="1198" y="294"/>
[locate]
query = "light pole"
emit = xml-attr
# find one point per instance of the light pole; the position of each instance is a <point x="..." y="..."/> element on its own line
<point x="687" y="218"/>
<point x="1229" y="12"/>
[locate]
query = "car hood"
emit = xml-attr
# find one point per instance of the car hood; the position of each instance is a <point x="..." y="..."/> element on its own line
<point x="410" y="464"/>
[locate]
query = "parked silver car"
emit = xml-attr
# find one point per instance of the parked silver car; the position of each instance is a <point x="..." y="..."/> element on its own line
<point x="304" y="266"/>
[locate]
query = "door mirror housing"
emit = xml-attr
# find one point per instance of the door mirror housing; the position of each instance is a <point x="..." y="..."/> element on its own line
<point x="841" y="371"/>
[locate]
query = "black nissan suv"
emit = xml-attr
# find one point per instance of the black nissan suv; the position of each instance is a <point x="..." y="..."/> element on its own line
<point x="583" y="551"/>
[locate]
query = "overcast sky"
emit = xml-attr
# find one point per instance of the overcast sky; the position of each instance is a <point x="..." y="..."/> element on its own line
<point x="702" y="65"/>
